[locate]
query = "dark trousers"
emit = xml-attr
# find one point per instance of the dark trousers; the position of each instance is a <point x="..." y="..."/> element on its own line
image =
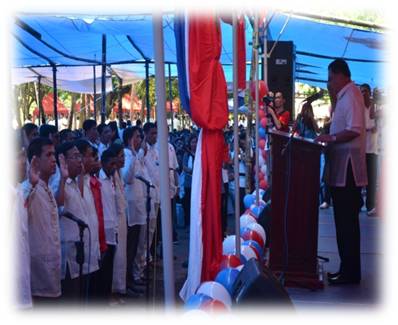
<point x="242" y="193"/>
<point x="105" y="275"/>
<point x="371" y="168"/>
<point x="133" y="234"/>
<point x="224" y="209"/>
<point x="71" y="287"/>
<point x="186" y="203"/>
<point x="346" y="206"/>
<point x="325" y="193"/>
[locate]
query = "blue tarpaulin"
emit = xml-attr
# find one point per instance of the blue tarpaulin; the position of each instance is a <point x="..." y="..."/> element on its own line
<point x="42" y="40"/>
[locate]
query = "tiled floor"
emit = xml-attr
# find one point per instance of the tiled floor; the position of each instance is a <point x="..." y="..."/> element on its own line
<point x="348" y="297"/>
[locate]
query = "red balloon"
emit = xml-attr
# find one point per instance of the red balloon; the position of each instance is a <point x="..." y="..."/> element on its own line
<point x="263" y="122"/>
<point x="261" y="143"/>
<point x="262" y="89"/>
<point x="213" y="305"/>
<point x="263" y="184"/>
<point x="264" y="153"/>
<point x="261" y="114"/>
<point x="229" y="260"/>
<point x="253" y="235"/>
<point x="260" y="175"/>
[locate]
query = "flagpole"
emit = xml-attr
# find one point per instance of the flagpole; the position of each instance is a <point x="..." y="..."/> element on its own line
<point x="168" y="271"/>
<point x="236" y="136"/>
<point x="256" y="44"/>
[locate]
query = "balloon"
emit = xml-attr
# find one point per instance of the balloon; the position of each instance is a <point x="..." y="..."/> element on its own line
<point x="249" y="234"/>
<point x="228" y="245"/>
<point x="196" y="300"/>
<point x="216" y="291"/>
<point x="263" y="184"/>
<point x="248" y="252"/>
<point x="260" y="190"/>
<point x="261" y="160"/>
<point x="256" y="210"/>
<point x="246" y="219"/>
<point x="248" y="200"/>
<point x="256" y="247"/>
<point x="261" y="144"/>
<point x="264" y="154"/>
<point x="261" y="114"/>
<point x="264" y="171"/>
<point x="230" y="260"/>
<point x="263" y="122"/>
<point x="262" y="133"/>
<point x="260" y="175"/>
<point x="227" y="278"/>
<point x="213" y="306"/>
<point x="262" y="89"/>
<point x="258" y="229"/>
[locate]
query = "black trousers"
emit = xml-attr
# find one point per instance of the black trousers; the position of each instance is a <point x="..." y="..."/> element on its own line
<point x="371" y="168"/>
<point x="242" y="193"/>
<point x="224" y="209"/>
<point x="105" y="274"/>
<point x="133" y="234"/>
<point x="186" y="204"/>
<point x="346" y="206"/>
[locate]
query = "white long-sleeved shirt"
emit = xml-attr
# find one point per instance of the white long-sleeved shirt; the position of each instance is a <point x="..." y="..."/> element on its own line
<point x="108" y="194"/>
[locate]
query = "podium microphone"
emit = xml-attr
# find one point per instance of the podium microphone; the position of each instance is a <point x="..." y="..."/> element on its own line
<point x="70" y="216"/>
<point x="145" y="181"/>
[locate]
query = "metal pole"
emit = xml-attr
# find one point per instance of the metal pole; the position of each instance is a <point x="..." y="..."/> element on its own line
<point x="148" y="106"/>
<point x="120" y="106"/>
<point x="95" y="93"/>
<point x="171" y="100"/>
<point x="168" y="275"/>
<point x="103" y="79"/>
<point x="257" y="104"/>
<point x="55" y="96"/>
<point x="236" y="136"/>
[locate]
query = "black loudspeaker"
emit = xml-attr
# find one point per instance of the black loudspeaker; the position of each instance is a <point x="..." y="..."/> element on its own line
<point x="257" y="287"/>
<point x="281" y="71"/>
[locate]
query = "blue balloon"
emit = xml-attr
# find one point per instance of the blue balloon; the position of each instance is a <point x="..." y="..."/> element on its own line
<point x="196" y="300"/>
<point x="248" y="200"/>
<point x="256" y="210"/>
<point x="227" y="278"/>
<point x="254" y="244"/>
<point x="262" y="133"/>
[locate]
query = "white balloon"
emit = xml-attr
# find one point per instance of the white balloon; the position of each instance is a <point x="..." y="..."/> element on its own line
<point x="216" y="291"/>
<point x="239" y="268"/>
<point x="248" y="252"/>
<point x="246" y="219"/>
<point x="264" y="169"/>
<point x="261" y="192"/>
<point x="228" y="245"/>
<point x="259" y="229"/>
<point x="261" y="160"/>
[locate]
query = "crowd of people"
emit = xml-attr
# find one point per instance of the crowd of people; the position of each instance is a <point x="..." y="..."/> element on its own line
<point x="82" y="204"/>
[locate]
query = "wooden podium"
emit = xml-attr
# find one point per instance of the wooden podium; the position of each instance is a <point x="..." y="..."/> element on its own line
<point x="302" y="268"/>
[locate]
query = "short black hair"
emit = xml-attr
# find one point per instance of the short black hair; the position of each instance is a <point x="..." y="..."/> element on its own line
<point x="340" y="66"/>
<point x="82" y="145"/>
<point x="63" y="148"/>
<point x="367" y="87"/>
<point x="107" y="155"/>
<point x="89" y="124"/>
<point x="148" y="126"/>
<point x="36" y="146"/>
<point x="116" y="147"/>
<point x="47" y="129"/>
<point x="63" y="135"/>
<point x="128" y="134"/>
<point x="101" y="127"/>
<point x="29" y="128"/>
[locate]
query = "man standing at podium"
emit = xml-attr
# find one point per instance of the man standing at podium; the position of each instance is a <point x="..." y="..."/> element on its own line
<point x="346" y="172"/>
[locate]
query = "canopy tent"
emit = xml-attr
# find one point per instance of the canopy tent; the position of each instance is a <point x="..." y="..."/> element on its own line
<point x="77" y="41"/>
